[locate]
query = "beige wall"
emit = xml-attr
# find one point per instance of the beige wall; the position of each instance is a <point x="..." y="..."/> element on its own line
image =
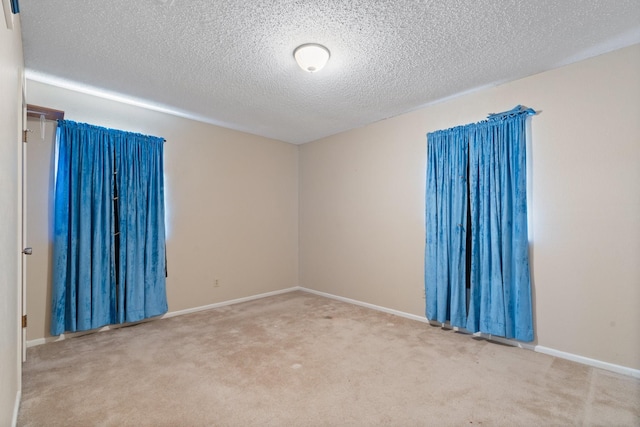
<point x="232" y="204"/>
<point x="362" y="205"/>
<point x="11" y="67"/>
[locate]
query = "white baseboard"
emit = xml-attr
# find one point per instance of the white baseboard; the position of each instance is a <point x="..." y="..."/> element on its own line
<point x="588" y="361"/>
<point x="16" y="408"/>
<point x="366" y="304"/>
<point x="40" y="341"/>
<point x="537" y="348"/>
<point x="230" y="302"/>
<point x="46" y="340"/>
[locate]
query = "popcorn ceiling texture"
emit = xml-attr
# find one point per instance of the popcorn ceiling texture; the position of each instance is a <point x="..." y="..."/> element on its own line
<point x="230" y="62"/>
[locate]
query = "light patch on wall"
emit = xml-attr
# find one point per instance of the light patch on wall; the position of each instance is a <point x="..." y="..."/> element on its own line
<point x="167" y="209"/>
<point x="8" y="16"/>
<point x="112" y="96"/>
<point x="529" y="165"/>
<point x="55" y="159"/>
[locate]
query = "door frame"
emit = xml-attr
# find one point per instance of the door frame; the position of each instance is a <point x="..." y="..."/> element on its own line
<point x="23" y="218"/>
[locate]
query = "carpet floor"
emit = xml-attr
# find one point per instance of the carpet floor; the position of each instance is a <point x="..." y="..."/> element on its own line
<point x="298" y="359"/>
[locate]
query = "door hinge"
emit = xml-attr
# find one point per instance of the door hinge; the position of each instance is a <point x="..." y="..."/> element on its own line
<point x="24" y="135"/>
<point x="24" y="321"/>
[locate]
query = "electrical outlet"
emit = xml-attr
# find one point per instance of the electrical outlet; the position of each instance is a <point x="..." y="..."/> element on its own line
<point x="216" y="284"/>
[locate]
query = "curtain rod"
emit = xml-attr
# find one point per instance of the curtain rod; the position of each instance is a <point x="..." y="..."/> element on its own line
<point x="72" y="124"/>
<point x="518" y="109"/>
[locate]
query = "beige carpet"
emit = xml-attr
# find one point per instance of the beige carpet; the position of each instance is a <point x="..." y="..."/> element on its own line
<point x="298" y="359"/>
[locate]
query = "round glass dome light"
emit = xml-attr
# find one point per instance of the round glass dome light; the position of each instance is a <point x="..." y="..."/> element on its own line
<point x="311" y="57"/>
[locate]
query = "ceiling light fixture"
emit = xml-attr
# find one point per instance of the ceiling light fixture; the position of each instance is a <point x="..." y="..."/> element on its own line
<point x="311" y="57"/>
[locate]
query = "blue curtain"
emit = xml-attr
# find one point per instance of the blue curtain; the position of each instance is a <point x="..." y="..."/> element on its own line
<point x="94" y="164"/>
<point x="499" y="301"/>
<point x="140" y="183"/>
<point x="446" y="212"/>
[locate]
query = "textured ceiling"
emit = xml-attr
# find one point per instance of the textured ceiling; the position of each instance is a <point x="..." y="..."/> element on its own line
<point x="230" y="62"/>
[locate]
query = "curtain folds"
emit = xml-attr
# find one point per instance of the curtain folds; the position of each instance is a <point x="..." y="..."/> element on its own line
<point x="446" y="224"/>
<point x="499" y="301"/>
<point x="93" y="165"/>
<point x="140" y="186"/>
